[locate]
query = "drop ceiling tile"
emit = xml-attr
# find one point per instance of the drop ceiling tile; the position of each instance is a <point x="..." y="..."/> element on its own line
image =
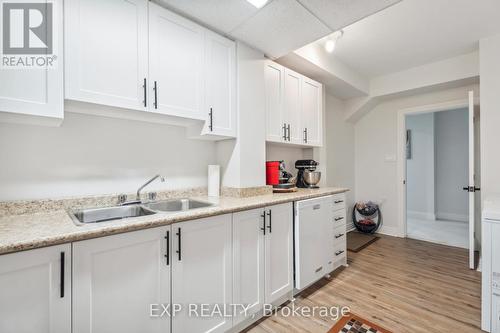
<point x="337" y="14"/>
<point x="281" y="27"/>
<point x="223" y="15"/>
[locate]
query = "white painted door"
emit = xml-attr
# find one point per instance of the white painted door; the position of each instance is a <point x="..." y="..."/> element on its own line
<point x="312" y="112"/>
<point x="176" y="64"/>
<point x="35" y="291"/>
<point x="472" y="184"/>
<point x="275" y="124"/>
<point x="279" y="252"/>
<point x="106" y="46"/>
<point x="117" y="278"/>
<point x="36" y="95"/>
<point x="202" y="273"/>
<point x="292" y="106"/>
<point x="220" y="87"/>
<point x="248" y="261"/>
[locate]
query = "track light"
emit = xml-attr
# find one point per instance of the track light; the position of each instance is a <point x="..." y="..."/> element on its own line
<point x="331" y="42"/>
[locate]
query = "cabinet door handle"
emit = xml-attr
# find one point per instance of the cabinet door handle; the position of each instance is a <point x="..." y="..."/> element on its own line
<point x="305" y="135"/>
<point x="211" y="122"/>
<point x="338" y="201"/>
<point x="263" y="223"/>
<point x="338" y="219"/>
<point x="288" y="132"/>
<point x="339" y="235"/>
<point x="284" y="132"/>
<point x="338" y="253"/>
<point x="318" y="206"/>
<point x="167" y="243"/>
<point x="145" y="88"/>
<point x="155" y="88"/>
<point x="270" y="226"/>
<point x="62" y="274"/>
<point x="179" y="245"/>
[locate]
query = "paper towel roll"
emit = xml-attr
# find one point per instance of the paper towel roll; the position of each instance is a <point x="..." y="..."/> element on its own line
<point x="213" y="180"/>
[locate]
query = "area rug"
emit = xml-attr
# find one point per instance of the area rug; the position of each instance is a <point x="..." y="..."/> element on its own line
<point x="355" y="324"/>
<point x="357" y="241"/>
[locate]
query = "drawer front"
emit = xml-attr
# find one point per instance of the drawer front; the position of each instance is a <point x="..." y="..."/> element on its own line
<point x="339" y="236"/>
<point x="339" y="255"/>
<point x="339" y="218"/>
<point x="338" y="201"/>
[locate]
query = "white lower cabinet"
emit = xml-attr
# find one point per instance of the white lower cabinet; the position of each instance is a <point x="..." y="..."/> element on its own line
<point x="248" y="262"/>
<point x="117" y="278"/>
<point x="263" y="257"/>
<point x="35" y="290"/>
<point x="202" y="274"/>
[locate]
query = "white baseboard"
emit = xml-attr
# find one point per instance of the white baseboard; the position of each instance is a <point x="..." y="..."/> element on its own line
<point x="391" y="231"/>
<point x="452" y="217"/>
<point x="412" y="214"/>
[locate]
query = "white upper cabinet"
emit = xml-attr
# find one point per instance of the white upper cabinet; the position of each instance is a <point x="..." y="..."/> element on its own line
<point x="312" y="112"/>
<point x="294" y="107"/>
<point x="176" y="64"/>
<point x="220" y="86"/>
<point x="35" y="95"/>
<point x="106" y="46"/>
<point x="202" y="273"/>
<point x="35" y="290"/>
<point x="274" y="78"/>
<point x="136" y="55"/>
<point x="117" y="278"/>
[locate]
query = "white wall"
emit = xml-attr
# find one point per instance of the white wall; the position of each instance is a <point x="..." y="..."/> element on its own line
<point x="376" y="148"/>
<point x="340" y="149"/>
<point x="420" y="167"/>
<point x="243" y="159"/>
<point x="452" y="164"/>
<point x="91" y="155"/>
<point x="489" y="50"/>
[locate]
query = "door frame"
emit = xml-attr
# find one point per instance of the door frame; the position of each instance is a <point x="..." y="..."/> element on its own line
<point x="401" y="149"/>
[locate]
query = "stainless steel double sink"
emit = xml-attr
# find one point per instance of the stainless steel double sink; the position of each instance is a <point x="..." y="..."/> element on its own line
<point x="103" y="214"/>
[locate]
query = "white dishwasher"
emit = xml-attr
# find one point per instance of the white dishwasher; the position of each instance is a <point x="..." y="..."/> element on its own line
<point x="313" y="240"/>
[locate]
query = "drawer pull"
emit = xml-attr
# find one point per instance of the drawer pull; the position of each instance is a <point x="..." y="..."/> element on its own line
<point x="339" y="235"/>
<point x="318" y="206"/>
<point x="318" y="269"/>
<point x="338" y="253"/>
<point x="338" y="219"/>
<point x="338" y="201"/>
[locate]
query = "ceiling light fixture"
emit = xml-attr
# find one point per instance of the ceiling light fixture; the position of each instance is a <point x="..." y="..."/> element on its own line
<point x="332" y="41"/>
<point x="258" y="3"/>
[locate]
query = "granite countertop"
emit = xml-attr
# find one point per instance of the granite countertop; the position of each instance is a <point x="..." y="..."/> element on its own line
<point x="45" y="228"/>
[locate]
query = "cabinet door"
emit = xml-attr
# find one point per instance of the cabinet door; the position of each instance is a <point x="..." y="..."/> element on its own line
<point x="106" y="45"/>
<point x="220" y="87"/>
<point x="275" y="78"/>
<point x="279" y="252"/>
<point x="292" y="106"/>
<point x="202" y="273"/>
<point x="312" y="112"/>
<point x="117" y="278"/>
<point x="35" y="95"/>
<point x="35" y="296"/>
<point x="248" y="261"/>
<point x="176" y="64"/>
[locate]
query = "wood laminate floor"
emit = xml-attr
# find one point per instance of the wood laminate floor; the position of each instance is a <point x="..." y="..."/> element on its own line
<point x="403" y="285"/>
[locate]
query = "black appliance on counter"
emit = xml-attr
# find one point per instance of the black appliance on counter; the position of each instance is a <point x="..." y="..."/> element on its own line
<point x="307" y="176"/>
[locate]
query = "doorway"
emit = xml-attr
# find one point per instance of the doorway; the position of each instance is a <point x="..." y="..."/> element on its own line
<point x="437" y="156"/>
<point x="470" y="188"/>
